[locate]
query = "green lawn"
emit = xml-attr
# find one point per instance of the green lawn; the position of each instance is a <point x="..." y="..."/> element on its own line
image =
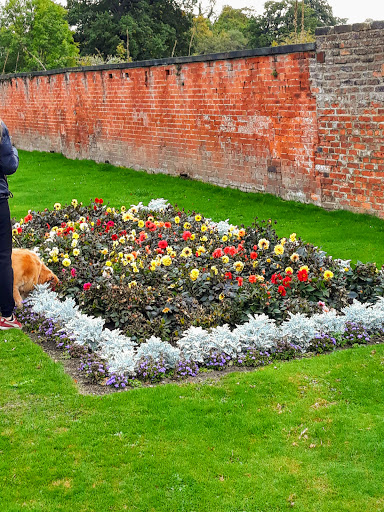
<point x="308" y="432"/>
<point x="45" y="178"/>
<point x="305" y="435"/>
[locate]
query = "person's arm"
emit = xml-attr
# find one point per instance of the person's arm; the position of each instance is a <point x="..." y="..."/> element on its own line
<point x="9" y="158"/>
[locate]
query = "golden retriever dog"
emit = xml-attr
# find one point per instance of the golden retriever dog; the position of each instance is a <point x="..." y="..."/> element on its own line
<point x="28" y="270"/>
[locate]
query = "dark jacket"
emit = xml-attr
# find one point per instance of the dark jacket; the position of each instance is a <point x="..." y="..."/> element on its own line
<point x="9" y="161"/>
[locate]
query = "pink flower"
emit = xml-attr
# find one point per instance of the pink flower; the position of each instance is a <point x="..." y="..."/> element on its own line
<point x="73" y="272"/>
<point x="87" y="286"/>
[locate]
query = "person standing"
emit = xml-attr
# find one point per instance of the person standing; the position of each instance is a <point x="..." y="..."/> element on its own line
<point x="9" y="162"/>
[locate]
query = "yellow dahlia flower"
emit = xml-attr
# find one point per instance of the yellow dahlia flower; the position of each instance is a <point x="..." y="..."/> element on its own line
<point x="279" y="249"/>
<point x="186" y="252"/>
<point x="194" y="274"/>
<point x="166" y="261"/>
<point x="263" y="244"/>
<point x="238" y="266"/>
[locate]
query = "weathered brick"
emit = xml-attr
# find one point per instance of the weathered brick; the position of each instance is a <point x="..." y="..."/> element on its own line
<point x="256" y="122"/>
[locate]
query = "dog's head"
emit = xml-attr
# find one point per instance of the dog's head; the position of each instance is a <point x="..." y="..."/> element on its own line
<point x="47" y="276"/>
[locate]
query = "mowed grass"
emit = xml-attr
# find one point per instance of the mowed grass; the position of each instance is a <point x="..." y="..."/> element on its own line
<point x="305" y="435"/>
<point x="45" y="178"/>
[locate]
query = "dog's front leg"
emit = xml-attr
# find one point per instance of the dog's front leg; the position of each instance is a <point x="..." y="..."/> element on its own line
<point x="17" y="297"/>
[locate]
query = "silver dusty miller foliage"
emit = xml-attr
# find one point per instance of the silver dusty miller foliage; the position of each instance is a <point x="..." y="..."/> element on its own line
<point x="197" y="344"/>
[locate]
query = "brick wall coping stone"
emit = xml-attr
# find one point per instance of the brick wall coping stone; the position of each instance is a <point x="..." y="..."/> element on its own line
<point x="255" y="52"/>
<point x="355" y="27"/>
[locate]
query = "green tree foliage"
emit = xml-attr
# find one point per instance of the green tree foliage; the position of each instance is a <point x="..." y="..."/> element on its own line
<point x="151" y="26"/>
<point x="277" y="23"/>
<point x="232" y="19"/>
<point x="35" y="35"/>
<point x="227" y="33"/>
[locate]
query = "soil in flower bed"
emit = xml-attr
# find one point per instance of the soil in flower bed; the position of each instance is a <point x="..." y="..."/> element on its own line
<point x="85" y="387"/>
<point x="71" y="367"/>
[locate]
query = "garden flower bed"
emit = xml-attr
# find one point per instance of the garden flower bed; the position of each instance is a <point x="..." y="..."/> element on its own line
<point x="153" y="290"/>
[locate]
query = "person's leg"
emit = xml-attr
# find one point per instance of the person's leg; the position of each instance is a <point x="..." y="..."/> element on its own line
<point x="7" y="304"/>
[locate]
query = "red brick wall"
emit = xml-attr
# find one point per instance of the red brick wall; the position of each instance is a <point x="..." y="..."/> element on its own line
<point x="302" y="122"/>
<point x="243" y="122"/>
<point x="348" y="81"/>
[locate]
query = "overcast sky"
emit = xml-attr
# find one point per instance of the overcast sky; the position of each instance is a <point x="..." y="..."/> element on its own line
<point x="356" y="11"/>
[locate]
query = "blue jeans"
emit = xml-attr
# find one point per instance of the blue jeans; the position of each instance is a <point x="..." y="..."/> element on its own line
<point x="7" y="304"/>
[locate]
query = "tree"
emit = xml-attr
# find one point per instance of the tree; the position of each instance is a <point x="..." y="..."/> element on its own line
<point x="153" y="27"/>
<point x="324" y="13"/>
<point x="277" y="23"/>
<point x="232" y="19"/>
<point x="34" y="35"/>
<point x="226" y="33"/>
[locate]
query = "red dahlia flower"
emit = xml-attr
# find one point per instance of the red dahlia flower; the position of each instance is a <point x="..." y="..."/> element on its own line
<point x="231" y="250"/>
<point x="302" y="275"/>
<point x="286" y="282"/>
<point x="275" y="278"/>
<point x="163" y="244"/>
<point x="186" y="235"/>
<point x="217" y="253"/>
<point x="282" y="291"/>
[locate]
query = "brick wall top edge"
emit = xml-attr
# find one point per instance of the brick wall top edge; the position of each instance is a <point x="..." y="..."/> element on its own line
<point x="355" y="27"/>
<point x="255" y="52"/>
